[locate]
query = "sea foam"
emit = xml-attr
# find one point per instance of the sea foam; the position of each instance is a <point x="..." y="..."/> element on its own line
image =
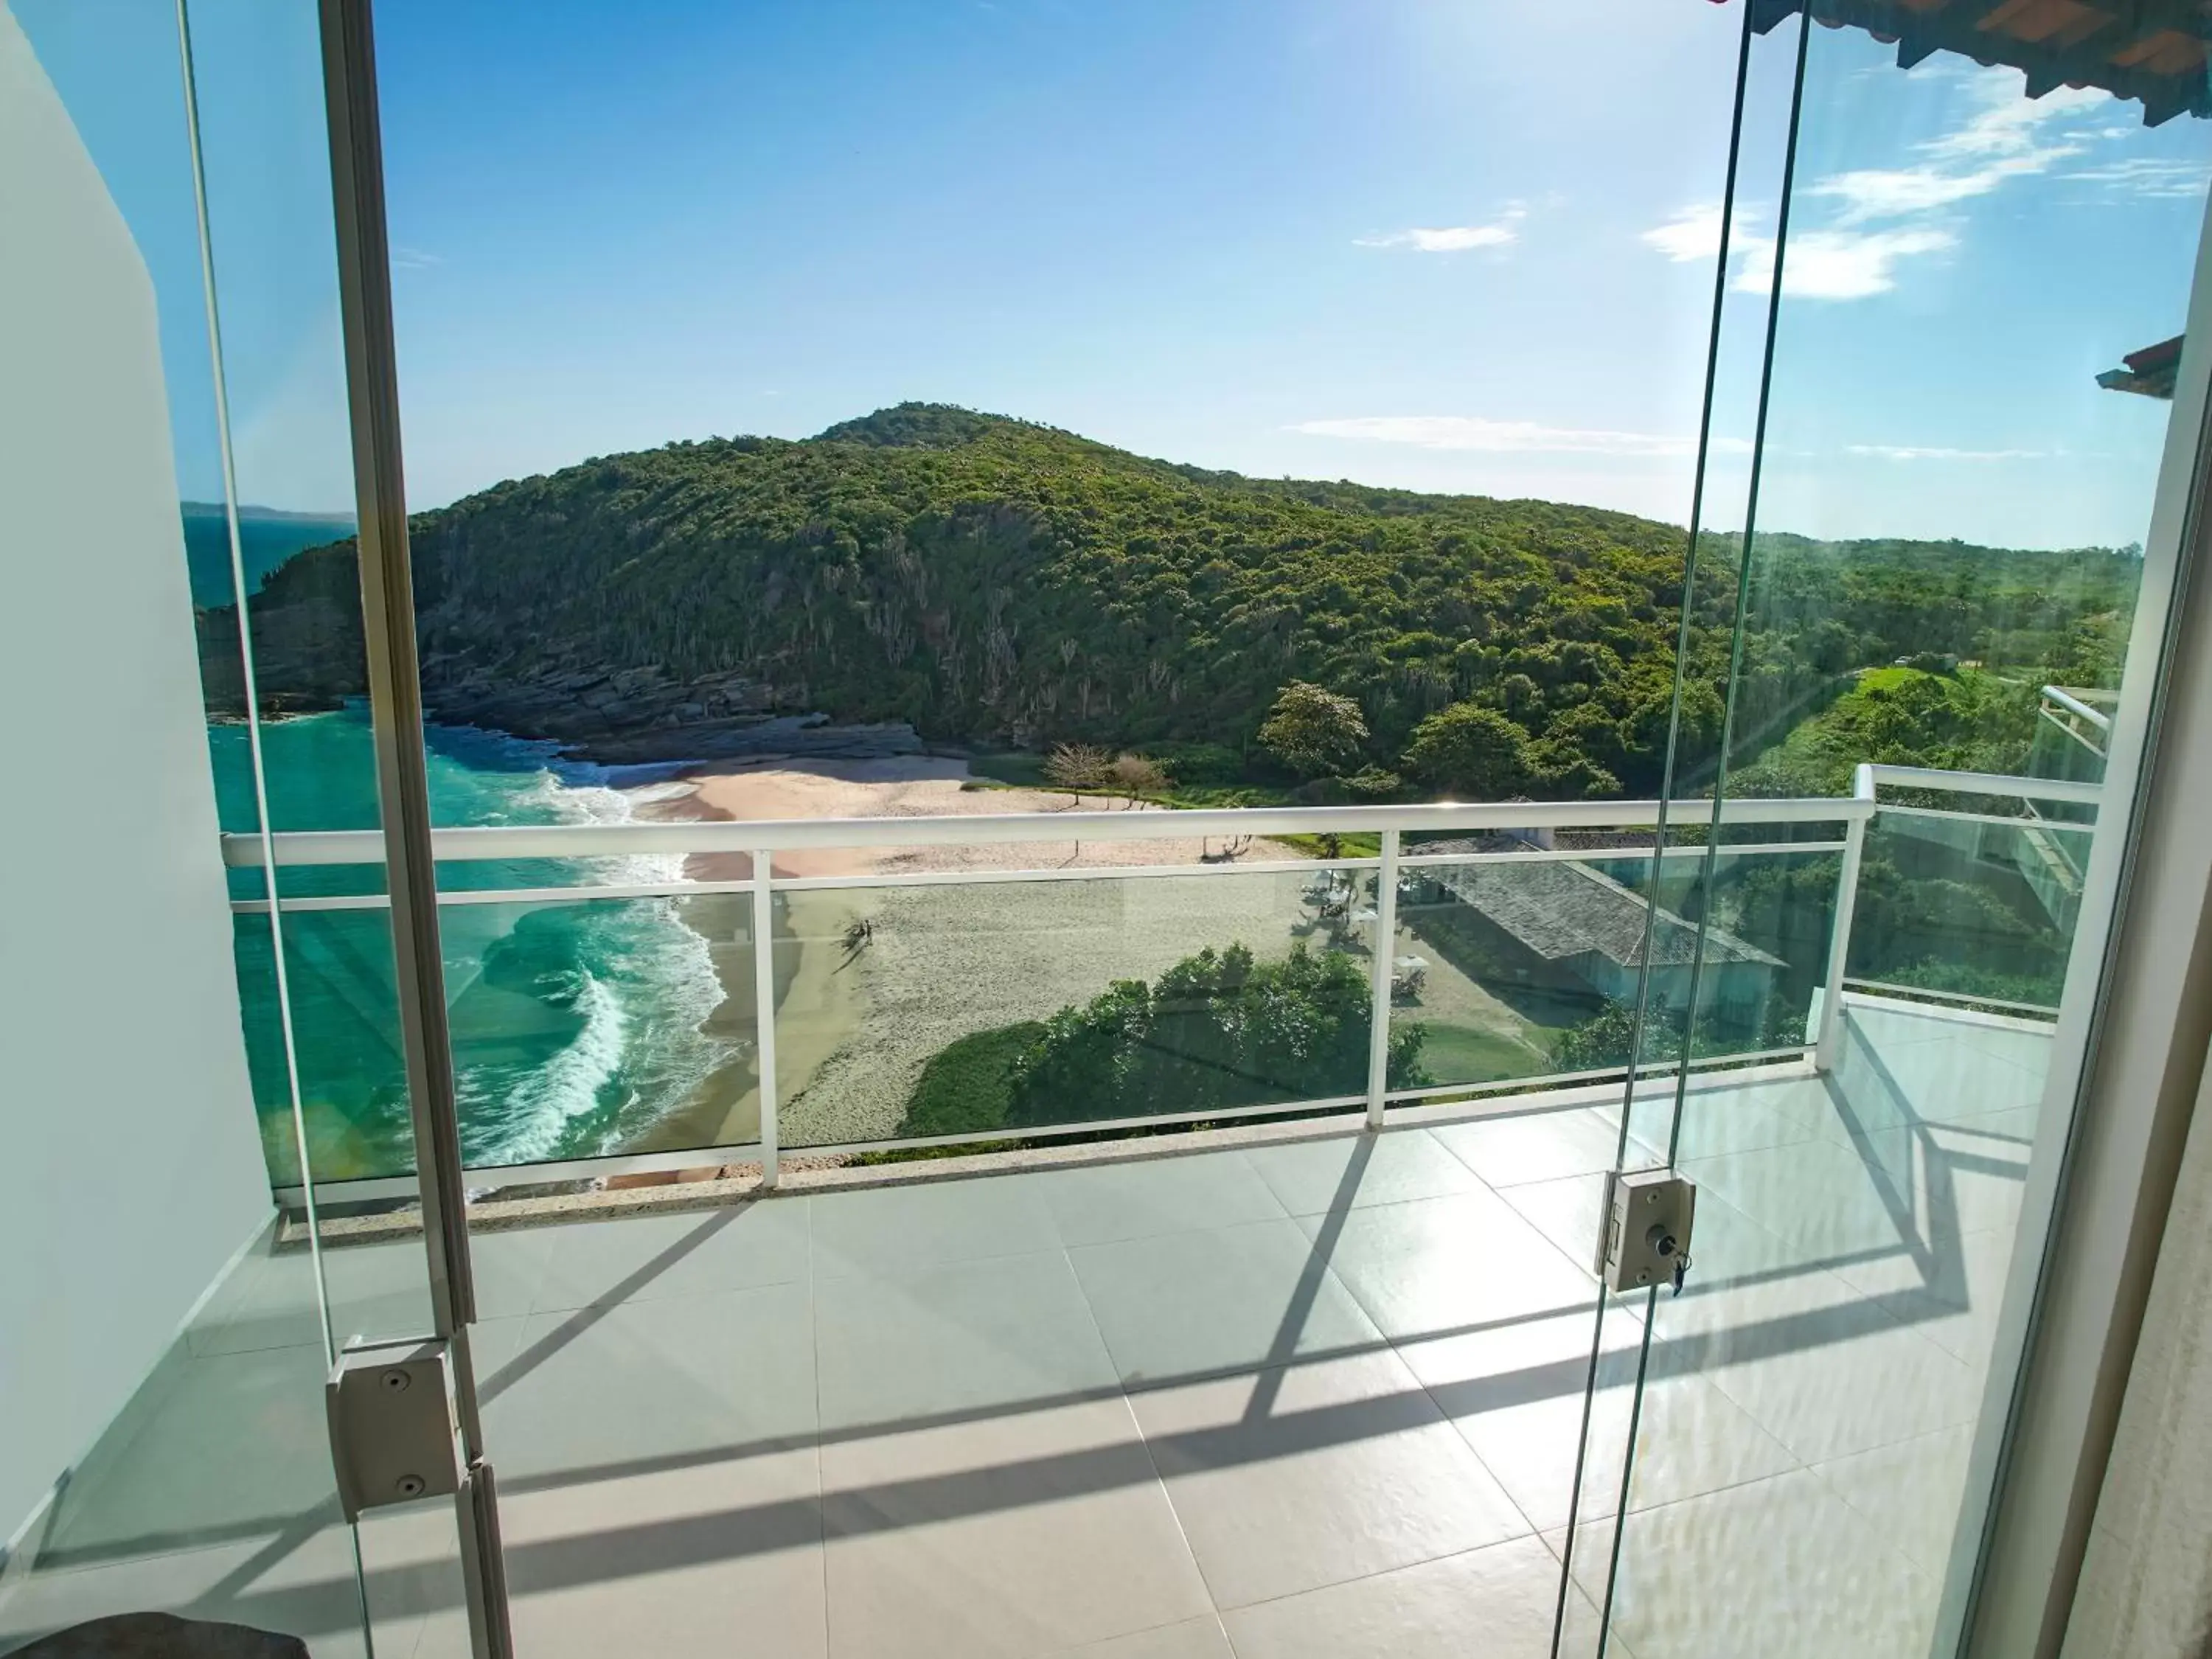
<point x="642" y="983"/>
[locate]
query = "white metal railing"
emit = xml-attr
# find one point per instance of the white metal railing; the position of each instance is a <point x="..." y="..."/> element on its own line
<point x="2075" y="704"/>
<point x="574" y="840"/>
<point x="763" y="839"/>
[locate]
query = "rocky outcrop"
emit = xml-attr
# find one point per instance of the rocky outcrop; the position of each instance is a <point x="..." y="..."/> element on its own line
<point x="628" y="715"/>
<point x="309" y="658"/>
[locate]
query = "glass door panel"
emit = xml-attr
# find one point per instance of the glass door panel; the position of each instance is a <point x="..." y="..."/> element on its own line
<point x="1982" y="281"/>
<point x="326" y="1036"/>
<point x="190" y="1344"/>
<point x="210" y="1494"/>
<point x="1735" y="936"/>
<point x="733" y="485"/>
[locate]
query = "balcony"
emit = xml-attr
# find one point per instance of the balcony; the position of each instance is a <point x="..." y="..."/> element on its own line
<point x="1308" y="1379"/>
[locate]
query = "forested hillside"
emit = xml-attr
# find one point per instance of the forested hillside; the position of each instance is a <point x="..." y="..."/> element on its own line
<point x="995" y="583"/>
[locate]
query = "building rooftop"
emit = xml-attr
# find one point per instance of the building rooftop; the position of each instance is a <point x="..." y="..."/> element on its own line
<point x="2150" y="50"/>
<point x="1561" y="910"/>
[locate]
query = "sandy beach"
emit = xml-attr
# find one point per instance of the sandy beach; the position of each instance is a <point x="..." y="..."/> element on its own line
<point x="854" y="1026"/>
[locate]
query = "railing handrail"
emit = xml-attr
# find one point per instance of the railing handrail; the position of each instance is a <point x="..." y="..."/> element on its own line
<point x="2071" y="701"/>
<point x="569" y="840"/>
<point x="1987" y="783"/>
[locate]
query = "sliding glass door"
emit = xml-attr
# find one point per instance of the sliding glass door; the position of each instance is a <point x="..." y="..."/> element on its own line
<point x="176" y="344"/>
<point x="1960" y="523"/>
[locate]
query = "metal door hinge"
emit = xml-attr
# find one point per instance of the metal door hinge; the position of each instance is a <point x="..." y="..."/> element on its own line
<point x="392" y="1424"/>
<point x="1644" y="1239"/>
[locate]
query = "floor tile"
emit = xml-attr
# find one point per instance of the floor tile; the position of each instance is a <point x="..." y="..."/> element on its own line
<point x="1884" y="1086"/>
<point x="1318" y="1474"/>
<point x="219" y="1447"/>
<point x="410" y="1563"/>
<point x="301" y="1585"/>
<point x="1011" y="1535"/>
<point x="1970" y="1174"/>
<point x="1340" y="1172"/>
<point x="2029" y="1050"/>
<point x="1436" y="1265"/>
<point x="1880" y="1192"/>
<point x="1715" y="1122"/>
<point x="1498" y="1601"/>
<point x="1566" y="1211"/>
<point x="694" y="1253"/>
<point x="1778" y="1567"/>
<point x="1904" y="1188"/>
<point x="1951" y="1295"/>
<point x="376" y="1291"/>
<point x="1149" y="1196"/>
<point x="1505" y="1152"/>
<point x="271" y="1298"/>
<point x="654" y="1406"/>
<point x="1516" y="1394"/>
<point x="1909" y="1494"/>
<point x="955" y="1341"/>
<point x="633" y="1387"/>
<point x="1189" y="1305"/>
<point x="1893" y="1026"/>
<point x="674" y="1562"/>
<point x="1825" y="1381"/>
<point x="1189" y="1638"/>
<point x="897" y="1229"/>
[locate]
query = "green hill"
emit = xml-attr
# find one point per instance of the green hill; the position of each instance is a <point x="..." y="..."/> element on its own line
<point x="991" y="581"/>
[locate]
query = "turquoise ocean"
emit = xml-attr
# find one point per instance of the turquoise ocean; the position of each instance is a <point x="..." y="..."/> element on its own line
<point x="575" y="1025"/>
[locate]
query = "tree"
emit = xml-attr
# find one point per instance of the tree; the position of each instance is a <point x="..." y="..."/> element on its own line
<point x="1217" y="1030"/>
<point x="1470" y="752"/>
<point x="1136" y="775"/>
<point x="1606" y="1038"/>
<point x="1078" y="766"/>
<point x="1313" y="731"/>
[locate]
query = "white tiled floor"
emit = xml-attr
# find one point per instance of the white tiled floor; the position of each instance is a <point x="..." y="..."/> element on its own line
<point x="1320" y="1398"/>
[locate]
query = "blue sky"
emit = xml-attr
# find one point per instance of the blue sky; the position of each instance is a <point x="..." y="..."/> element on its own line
<point x="1449" y="247"/>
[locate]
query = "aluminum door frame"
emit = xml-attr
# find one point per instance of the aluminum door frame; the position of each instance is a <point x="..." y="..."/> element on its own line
<point x="395" y="697"/>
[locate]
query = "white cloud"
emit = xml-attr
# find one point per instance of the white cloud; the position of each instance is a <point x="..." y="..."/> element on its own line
<point x="413" y="258"/>
<point x="1892" y="192"/>
<point x="1835" y="264"/>
<point x="2006" y="136"/>
<point x="2147" y="175"/>
<point x="1912" y="452"/>
<point x="1453" y="239"/>
<point x="1692" y="234"/>
<point x="1472" y="432"/>
<point x="2000" y="140"/>
<point x="2007" y="122"/>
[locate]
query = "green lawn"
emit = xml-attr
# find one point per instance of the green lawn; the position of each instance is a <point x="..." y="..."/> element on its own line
<point x="1464" y="1054"/>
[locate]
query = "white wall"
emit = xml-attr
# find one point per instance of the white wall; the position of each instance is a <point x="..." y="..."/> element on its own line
<point x="2146" y="1586"/>
<point x="130" y="1165"/>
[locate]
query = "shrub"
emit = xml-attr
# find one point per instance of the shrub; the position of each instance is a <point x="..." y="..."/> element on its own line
<point x="1216" y="1029"/>
<point x="1073" y="766"/>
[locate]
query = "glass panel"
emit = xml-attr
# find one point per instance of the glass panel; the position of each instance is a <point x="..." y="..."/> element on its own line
<point x="1963" y="440"/>
<point x="583" y="1029"/>
<point x="1783" y="901"/>
<point x="1373" y="243"/>
<point x="170" y="1385"/>
<point x="1968" y="911"/>
<point x="919" y="1011"/>
<point x="1524" y="968"/>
